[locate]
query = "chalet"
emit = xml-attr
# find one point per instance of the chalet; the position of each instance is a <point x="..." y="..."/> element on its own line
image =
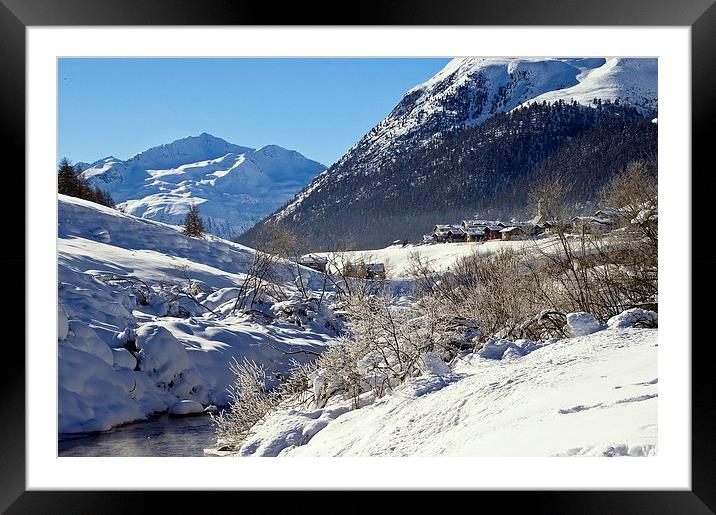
<point x="448" y="232"/>
<point x="609" y="213"/>
<point x="592" y="224"/>
<point x="374" y="270"/>
<point x="513" y="233"/>
<point x="319" y="263"/>
<point x="475" y="233"/>
<point x="456" y="235"/>
<point x="492" y="232"/>
<point x="481" y="230"/>
<point x="481" y="223"/>
<point x="550" y="227"/>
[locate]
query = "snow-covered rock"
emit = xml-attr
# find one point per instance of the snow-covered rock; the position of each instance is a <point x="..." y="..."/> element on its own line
<point x="186" y="408"/>
<point x="102" y="235"/>
<point x="124" y="359"/>
<point x="84" y="338"/>
<point x="432" y="364"/>
<point x="95" y="396"/>
<point x="498" y="348"/>
<point x="635" y="317"/>
<point x="582" y="324"/>
<point x="287" y="430"/>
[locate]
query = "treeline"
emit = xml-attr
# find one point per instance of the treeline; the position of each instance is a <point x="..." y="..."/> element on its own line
<point x="71" y="182"/>
<point x="487" y="171"/>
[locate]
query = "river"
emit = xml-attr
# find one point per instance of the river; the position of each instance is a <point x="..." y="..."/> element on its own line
<point x="159" y="436"/>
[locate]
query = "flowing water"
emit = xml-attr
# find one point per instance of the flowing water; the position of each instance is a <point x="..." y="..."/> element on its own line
<point x="160" y="436"/>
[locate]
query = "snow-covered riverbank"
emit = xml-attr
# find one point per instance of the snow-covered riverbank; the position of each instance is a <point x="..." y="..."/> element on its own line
<point x="120" y="360"/>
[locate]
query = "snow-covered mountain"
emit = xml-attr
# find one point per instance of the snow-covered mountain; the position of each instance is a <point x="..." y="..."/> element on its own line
<point x="627" y="80"/>
<point x="233" y="186"/>
<point x="464" y="95"/>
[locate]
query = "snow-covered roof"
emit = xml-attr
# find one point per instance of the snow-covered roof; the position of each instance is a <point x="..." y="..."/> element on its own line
<point x="472" y="223"/>
<point x="593" y="220"/>
<point x="311" y="259"/>
<point x="511" y="229"/>
<point x="537" y="220"/>
<point x="474" y="231"/>
<point x="444" y="228"/>
<point x="608" y="211"/>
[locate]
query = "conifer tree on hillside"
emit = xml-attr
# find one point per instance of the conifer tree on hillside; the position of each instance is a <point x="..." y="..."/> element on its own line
<point x="67" y="180"/>
<point x="70" y="182"/>
<point x="193" y="224"/>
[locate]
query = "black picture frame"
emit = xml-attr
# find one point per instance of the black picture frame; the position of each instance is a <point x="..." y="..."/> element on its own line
<point x="700" y="15"/>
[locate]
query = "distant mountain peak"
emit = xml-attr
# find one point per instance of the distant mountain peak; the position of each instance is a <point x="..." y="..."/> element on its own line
<point x="235" y="185"/>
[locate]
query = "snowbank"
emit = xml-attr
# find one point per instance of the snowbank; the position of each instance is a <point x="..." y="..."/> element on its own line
<point x="121" y="360"/>
<point x="185" y="408"/>
<point x="581" y="396"/>
<point x="635" y="317"/>
<point x="507" y="349"/>
<point x="582" y="324"/>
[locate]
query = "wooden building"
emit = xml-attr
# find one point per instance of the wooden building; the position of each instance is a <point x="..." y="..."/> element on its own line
<point x="513" y="233"/>
<point x="319" y="263"/>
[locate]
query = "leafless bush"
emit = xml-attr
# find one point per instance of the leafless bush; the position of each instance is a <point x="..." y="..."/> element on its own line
<point x="495" y="290"/>
<point x="422" y="270"/>
<point x="252" y="399"/>
<point x="603" y="273"/>
<point x="262" y="274"/>
<point x="136" y="286"/>
<point x="250" y="402"/>
<point x="387" y="345"/>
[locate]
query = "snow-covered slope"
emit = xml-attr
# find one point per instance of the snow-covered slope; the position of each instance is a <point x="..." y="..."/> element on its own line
<point x="233" y="186"/>
<point x="466" y="93"/>
<point x="629" y="81"/>
<point x="398" y="260"/>
<point x="593" y="395"/>
<point x="120" y="360"/>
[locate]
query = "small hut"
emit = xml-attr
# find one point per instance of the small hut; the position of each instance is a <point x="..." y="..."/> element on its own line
<point x="315" y="262"/>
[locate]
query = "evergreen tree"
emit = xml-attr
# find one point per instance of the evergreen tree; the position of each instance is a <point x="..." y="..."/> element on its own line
<point x="70" y="182"/>
<point x="193" y="224"/>
<point x="67" y="179"/>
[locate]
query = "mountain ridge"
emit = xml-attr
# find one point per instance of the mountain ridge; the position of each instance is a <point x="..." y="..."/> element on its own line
<point x="466" y="93"/>
<point x="235" y="186"/>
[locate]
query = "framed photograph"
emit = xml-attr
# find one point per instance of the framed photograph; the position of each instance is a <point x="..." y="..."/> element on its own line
<point x="415" y="249"/>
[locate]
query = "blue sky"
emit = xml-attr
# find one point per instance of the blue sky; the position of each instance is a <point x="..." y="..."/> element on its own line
<point x="319" y="107"/>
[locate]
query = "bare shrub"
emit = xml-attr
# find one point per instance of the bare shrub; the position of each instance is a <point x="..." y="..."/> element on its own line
<point x="250" y="402"/>
<point x="604" y="273"/>
<point x="495" y="290"/>
<point x="273" y="244"/>
<point x="422" y="270"/>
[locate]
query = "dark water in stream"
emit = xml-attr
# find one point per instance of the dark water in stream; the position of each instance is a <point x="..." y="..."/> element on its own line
<point x="160" y="436"/>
